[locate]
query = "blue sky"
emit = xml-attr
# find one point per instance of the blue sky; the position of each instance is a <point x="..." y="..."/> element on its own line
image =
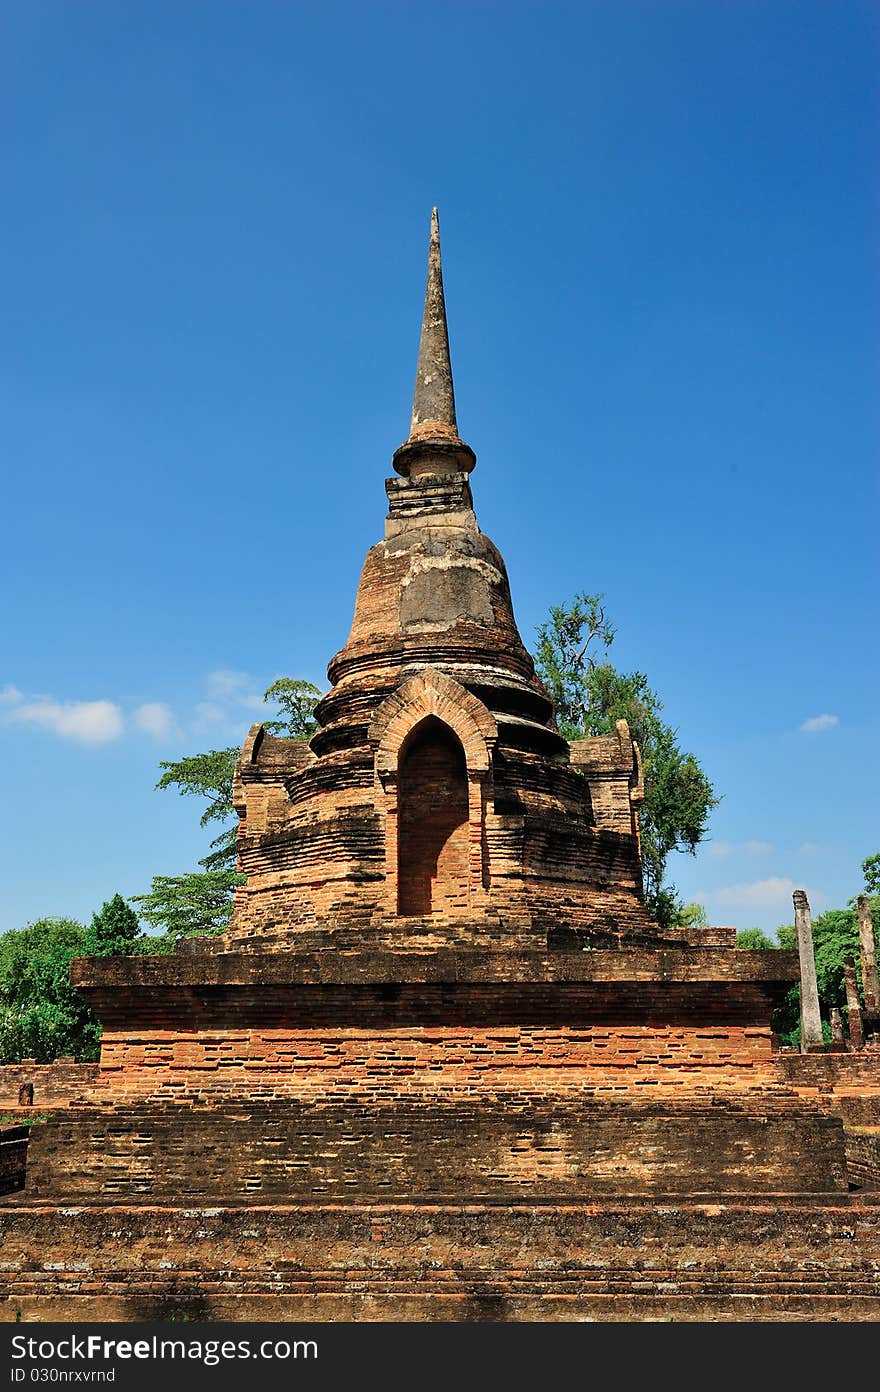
<point x="659" y="226"/>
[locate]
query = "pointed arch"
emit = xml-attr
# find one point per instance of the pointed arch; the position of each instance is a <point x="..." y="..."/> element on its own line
<point x="433" y="693"/>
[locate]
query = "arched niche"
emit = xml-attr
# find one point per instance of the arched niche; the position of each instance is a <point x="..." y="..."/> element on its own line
<point x="433" y="743"/>
<point x="433" y="822"/>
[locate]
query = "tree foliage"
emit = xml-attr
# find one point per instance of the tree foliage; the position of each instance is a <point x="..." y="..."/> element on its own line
<point x="208" y="776"/>
<point x="200" y="902"/>
<point x="114" y="930"/>
<point x="871" y="872"/>
<point x="754" y="939"/>
<point x="590" y="696"/>
<point x="692" y="916"/>
<point x="183" y="906"/>
<point x="41" y="1015"/>
<point x="296" y="700"/>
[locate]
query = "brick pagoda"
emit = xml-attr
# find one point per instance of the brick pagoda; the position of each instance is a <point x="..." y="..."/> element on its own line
<point x="442" y="1065"/>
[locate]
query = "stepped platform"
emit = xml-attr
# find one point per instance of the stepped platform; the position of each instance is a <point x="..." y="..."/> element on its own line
<point x="773" y="1257"/>
<point x="490" y="1149"/>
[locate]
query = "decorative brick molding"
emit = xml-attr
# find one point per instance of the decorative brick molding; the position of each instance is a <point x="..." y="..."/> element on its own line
<point x="432" y="692"/>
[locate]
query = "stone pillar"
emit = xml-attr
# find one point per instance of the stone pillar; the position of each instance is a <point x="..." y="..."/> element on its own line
<point x="811" y="1023"/>
<point x="870" y="982"/>
<point x="853" y="1008"/>
<point x="838" y="1044"/>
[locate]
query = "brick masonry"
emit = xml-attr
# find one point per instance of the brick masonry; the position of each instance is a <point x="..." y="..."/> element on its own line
<point x="52" y="1082"/>
<point x="443" y="1064"/>
<point x="626" y="1259"/>
<point x="409" y="1148"/>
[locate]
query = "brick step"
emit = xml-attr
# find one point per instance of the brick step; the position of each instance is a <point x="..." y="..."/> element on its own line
<point x="138" y="1282"/>
<point x="753" y="1257"/>
<point x="483" y="1150"/>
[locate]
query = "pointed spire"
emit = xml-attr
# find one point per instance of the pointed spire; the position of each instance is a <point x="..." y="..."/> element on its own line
<point x="434" y="445"/>
<point x="434" y="397"/>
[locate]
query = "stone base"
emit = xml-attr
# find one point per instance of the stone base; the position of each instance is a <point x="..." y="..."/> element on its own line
<point x="770" y="1258"/>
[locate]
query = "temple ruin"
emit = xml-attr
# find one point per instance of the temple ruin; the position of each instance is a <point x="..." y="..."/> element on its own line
<point x="443" y="1064"/>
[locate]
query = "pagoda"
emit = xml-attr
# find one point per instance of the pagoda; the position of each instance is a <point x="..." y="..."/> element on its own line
<point x="443" y="1064"/>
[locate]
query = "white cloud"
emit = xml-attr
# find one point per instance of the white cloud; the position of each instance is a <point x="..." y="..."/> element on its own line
<point x="233" y="688"/>
<point x="208" y="713"/>
<point x="760" y="894"/>
<point x="91" y="722"/>
<point x="10" y="696"/>
<point x="810" y="848"/>
<point x="225" y="682"/>
<point x="817" y="723"/>
<point x="154" y="718"/>
<point x="720" y="850"/>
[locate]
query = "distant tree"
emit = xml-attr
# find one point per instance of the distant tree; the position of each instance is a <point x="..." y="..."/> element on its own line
<point x="692" y="916"/>
<point x="114" y="930"/>
<point x="871" y="872"/>
<point x="590" y="695"/>
<point x="835" y="937"/>
<point x="297" y="700"/>
<point x="200" y="902"/>
<point x="208" y="776"/>
<point x="41" y="1014"/>
<point x="183" y="906"/>
<point x="754" y="938"/>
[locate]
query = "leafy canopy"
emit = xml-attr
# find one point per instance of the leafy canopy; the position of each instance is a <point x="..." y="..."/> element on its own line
<point x="590" y="696"/>
<point x="871" y="872"/>
<point x="41" y="1015"/>
<point x="184" y="906"/>
<point x="755" y="939"/>
<point x="114" y="930"/>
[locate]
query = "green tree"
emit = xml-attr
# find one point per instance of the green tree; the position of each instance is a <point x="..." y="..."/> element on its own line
<point x="184" y="906"/>
<point x="590" y="695"/>
<point x="871" y="872"/>
<point x="41" y="1015"/>
<point x="692" y="916"/>
<point x="296" y="700"/>
<point x="835" y="937"/>
<point x="200" y="902"/>
<point x="754" y="939"/>
<point x="208" y="776"/>
<point x="114" y="930"/>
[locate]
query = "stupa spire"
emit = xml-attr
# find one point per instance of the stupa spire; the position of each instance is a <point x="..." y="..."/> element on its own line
<point x="434" y="445"/>
<point x="434" y="397"/>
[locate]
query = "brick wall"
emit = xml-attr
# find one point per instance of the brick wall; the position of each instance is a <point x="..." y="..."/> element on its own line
<point x="617" y="1020"/>
<point x="440" y="1060"/>
<point x="411" y="1150"/>
<point x="863" y="1157"/>
<point x="53" y="1082"/>
<point x="816" y="1070"/>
